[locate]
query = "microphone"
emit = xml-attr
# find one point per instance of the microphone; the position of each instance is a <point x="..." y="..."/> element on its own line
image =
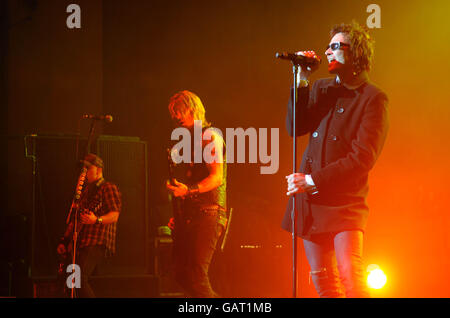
<point x="107" y="118"/>
<point x="296" y="58"/>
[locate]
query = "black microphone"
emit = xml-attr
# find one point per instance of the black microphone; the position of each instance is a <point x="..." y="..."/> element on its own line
<point x="299" y="59"/>
<point x="107" y="118"/>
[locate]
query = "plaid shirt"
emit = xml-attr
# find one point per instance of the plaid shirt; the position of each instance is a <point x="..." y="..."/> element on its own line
<point x="100" y="200"/>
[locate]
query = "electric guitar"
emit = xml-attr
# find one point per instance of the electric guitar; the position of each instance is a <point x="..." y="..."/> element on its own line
<point x="176" y="202"/>
<point x="93" y="207"/>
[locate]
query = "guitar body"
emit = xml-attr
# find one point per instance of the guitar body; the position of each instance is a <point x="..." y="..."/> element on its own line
<point x="176" y="202"/>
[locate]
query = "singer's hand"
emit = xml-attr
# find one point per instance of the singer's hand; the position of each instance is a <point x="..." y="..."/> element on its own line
<point x="296" y="183"/>
<point x="305" y="72"/>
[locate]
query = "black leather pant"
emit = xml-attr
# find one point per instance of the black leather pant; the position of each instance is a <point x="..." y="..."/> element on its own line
<point x="336" y="264"/>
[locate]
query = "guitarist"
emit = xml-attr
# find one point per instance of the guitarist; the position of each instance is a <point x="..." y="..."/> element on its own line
<point x="201" y="192"/>
<point x="99" y="208"/>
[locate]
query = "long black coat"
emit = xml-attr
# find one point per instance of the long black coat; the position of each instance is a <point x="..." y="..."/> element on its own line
<point x="348" y="129"/>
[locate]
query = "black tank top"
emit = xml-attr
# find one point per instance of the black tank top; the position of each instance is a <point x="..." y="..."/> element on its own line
<point x="196" y="172"/>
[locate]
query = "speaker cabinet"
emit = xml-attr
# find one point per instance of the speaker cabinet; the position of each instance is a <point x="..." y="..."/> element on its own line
<point x="126" y="165"/>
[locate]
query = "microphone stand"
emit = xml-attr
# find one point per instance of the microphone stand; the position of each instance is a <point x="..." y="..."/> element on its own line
<point x="75" y="209"/>
<point x="75" y="204"/>
<point x="294" y="212"/>
<point x="91" y="133"/>
<point x="296" y="62"/>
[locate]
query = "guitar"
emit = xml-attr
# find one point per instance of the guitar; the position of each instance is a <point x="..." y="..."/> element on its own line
<point x="176" y="202"/>
<point x="93" y="207"/>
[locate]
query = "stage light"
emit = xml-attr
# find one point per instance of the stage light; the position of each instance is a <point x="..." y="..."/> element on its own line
<point x="376" y="278"/>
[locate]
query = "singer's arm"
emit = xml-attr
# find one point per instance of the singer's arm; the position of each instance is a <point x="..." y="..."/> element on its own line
<point x="308" y="112"/>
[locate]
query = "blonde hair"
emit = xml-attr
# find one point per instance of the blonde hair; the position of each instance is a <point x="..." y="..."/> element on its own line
<point x="187" y="101"/>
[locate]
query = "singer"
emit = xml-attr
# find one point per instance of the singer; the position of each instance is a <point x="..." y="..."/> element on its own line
<point x="347" y="119"/>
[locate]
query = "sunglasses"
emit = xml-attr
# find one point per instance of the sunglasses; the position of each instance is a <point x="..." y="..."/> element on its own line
<point x="336" y="46"/>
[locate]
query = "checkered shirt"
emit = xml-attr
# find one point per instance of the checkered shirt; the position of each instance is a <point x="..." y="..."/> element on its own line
<point x="99" y="200"/>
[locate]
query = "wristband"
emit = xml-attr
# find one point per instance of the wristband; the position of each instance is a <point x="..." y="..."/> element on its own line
<point x="99" y="221"/>
<point x="193" y="190"/>
<point x="303" y="83"/>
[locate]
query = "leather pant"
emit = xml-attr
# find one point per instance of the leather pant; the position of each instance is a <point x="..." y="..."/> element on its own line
<point x="336" y="264"/>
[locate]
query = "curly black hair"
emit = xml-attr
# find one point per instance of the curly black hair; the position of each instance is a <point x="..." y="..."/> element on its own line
<point x="361" y="44"/>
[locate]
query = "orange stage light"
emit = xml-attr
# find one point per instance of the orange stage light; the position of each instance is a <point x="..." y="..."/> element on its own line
<point x="376" y="279"/>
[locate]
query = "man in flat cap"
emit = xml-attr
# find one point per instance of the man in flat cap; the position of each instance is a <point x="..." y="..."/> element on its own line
<point x="99" y="208"/>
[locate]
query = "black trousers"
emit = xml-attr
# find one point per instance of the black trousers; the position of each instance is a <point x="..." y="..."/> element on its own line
<point x="88" y="258"/>
<point x="195" y="239"/>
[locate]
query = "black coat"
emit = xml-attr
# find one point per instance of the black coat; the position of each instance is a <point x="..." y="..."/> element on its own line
<point x="348" y="129"/>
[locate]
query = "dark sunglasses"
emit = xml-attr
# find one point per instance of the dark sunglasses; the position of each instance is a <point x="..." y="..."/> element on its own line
<point x="336" y="46"/>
